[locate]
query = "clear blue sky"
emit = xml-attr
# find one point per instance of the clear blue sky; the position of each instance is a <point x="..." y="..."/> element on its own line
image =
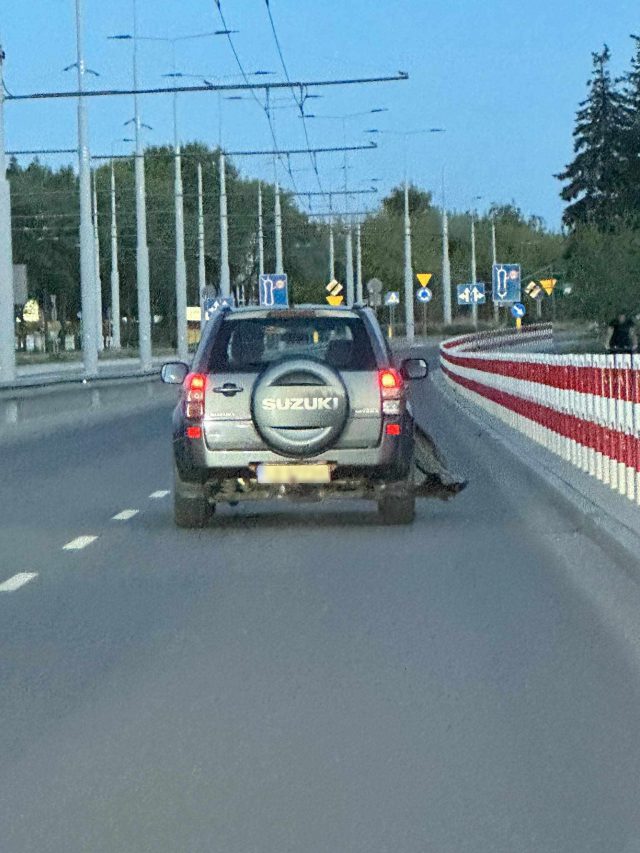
<point x="504" y="78"/>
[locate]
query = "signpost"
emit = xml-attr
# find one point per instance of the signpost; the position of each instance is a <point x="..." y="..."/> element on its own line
<point x="518" y="311"/>
<point x="506" y="285"/>
<point x="334" y="291"/>
<point x="391" y="300"/>
<point x="274" y="290"/>
<point x="472" y="294"/>
<point x="424" y="296"/>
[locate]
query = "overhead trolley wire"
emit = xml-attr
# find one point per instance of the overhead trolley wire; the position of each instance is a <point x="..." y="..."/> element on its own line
<point x="245" y="77"/>
<point x="299" y="103"/>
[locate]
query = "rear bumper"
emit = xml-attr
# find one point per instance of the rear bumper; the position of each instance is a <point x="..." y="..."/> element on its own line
<point x="244" y="489"/>
<point x="390" y="461"/>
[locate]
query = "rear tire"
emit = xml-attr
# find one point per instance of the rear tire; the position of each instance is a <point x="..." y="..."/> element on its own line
<point x="397" y="510"/>
<point x="191" y="512"/>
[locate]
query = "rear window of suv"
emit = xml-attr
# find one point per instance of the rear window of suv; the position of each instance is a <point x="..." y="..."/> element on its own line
<point x="248" y="344"/>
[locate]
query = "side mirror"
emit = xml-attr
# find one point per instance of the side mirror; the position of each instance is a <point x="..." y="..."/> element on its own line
<point x="414" y="368"/>
<point x="174" y="372"/>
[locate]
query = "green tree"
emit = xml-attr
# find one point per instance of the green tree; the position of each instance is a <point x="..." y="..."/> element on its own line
<point x="594" y="179"/>
<point x="631" y="137"/>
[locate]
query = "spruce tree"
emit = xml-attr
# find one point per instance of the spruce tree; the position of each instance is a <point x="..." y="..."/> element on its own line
<point x="595" y="177"/>
<point x="631" y="139"/>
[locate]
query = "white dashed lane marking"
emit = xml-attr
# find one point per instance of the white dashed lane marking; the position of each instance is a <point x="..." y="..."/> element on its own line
<point x="125" y="515"/>
<point x="160" y="494"/>
<point x="17" y="581"/>
<point x="79" y="543"/>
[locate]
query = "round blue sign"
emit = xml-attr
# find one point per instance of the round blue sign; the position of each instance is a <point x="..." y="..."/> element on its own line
<point x="518" y="310"/>
<point x="424" y="295"/>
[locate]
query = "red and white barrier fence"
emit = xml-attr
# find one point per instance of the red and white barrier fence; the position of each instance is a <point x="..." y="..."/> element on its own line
<point x="585" y="408"/>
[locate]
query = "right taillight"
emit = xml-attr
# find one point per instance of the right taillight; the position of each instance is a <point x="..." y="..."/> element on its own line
<point x="194" y="386"/>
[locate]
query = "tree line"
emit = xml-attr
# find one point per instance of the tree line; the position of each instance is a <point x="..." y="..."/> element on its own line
<point x="597" y="253"/>
<point x="45" y="214"/>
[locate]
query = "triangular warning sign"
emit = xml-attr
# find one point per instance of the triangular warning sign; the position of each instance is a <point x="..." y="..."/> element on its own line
<point x="548" y="284"/>
<point x="335" y="300"/>
<point x="424" y="278"/>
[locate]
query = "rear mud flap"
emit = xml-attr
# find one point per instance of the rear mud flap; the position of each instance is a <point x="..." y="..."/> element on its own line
<point x="431" y="477"/>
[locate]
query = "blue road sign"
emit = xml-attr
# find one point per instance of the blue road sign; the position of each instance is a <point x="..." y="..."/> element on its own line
<point x="506" y="283"/>
<point x="424" y="295"/>
<point x="211" y="304"/>
<point x="471" y="294"/>
<point x="274" y="290"/>
<point x="392" y="297"/>
<point x="518" y="310"/>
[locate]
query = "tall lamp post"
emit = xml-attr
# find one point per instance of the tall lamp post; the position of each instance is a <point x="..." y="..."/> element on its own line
<point x="7" y="322"/>
<point x="87" y="260"/>
<point x="142" y="249"/>
<point x="474" y="271"/>
<point x="354" y="286"/>
<point x="408" y="266"/>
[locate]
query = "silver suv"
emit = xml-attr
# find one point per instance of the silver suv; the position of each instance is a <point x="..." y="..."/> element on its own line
<point x="302" y="404"/>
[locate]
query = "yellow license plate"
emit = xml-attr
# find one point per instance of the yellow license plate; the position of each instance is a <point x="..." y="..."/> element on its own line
<point x="293" y="474"/>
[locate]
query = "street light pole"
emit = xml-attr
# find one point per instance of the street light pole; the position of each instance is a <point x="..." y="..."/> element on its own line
<point x="201" y="266"/>
<point x="142" y="248"/>
<point x="278" y="218"/>
<point x="359" y="283"/>
<point x="446" y="270"/>
<point x="181" y="263"/>
<point x="408" y="271"/>
<point x="115" y="272"/>
<point x="225" y="277"/>
<point x="96" y="253"/>
<point x="87" y="260"/>
<point x="260" y="233"/>
<point x="332" y="253"/>
<point x="7" y="320"/>
<point x="474" y="273"/>
<point x="349" y="265"/>
<point x="494" y="256"/>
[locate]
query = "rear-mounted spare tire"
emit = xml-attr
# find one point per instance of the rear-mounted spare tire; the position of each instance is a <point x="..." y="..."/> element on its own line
<point x="300" y="407"/>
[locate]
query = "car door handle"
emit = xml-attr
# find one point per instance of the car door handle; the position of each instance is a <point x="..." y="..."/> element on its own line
<point x="228" y="389"/>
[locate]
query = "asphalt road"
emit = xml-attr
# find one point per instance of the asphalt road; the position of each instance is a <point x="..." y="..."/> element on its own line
<point x="304" y="679"/>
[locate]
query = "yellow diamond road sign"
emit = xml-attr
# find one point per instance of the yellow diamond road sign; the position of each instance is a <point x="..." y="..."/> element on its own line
<point x="335" y="300"/>
<point x="424" y="278"/>
<point x="548" y="284"/>
<point x="533" y="289"/>
<point x="334" y="287"/>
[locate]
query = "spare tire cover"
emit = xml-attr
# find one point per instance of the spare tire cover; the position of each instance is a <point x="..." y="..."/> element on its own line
<point x="299" y="406"/>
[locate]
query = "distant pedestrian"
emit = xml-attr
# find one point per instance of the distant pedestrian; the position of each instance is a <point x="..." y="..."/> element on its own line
<point x="622" y="335"/>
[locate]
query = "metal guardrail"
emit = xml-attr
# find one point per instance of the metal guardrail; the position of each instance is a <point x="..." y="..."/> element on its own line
<point x="583" y="408"/>
<point x="51" y="399"/>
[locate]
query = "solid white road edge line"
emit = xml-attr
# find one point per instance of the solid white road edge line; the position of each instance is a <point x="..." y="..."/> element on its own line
<point x="125" y="515"/>
<point x="160" y="494"/>
<point x="79" y="543"/>
<point x="17" y="581"/>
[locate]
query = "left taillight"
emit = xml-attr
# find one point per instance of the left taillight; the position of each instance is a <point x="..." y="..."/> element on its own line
<point x="391" y="390"/>
<point x="389" y="381"/>
<point x="193" y="390"/>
